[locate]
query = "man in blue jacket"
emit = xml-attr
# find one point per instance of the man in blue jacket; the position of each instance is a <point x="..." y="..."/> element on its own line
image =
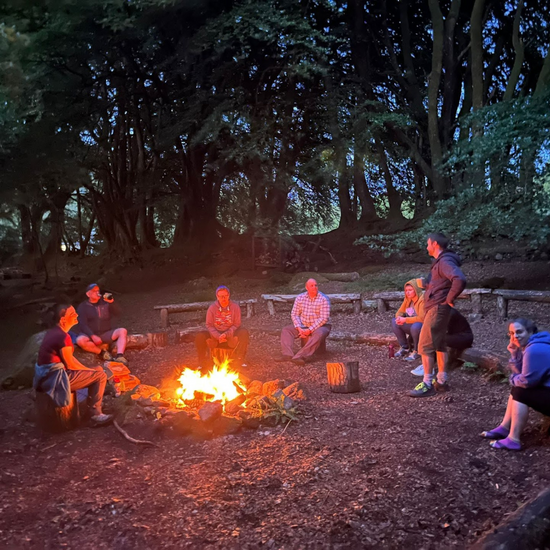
<point x="94" y="332"/>
<point x="444" y="284"/>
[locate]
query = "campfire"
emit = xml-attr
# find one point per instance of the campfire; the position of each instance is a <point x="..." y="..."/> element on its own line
<point x="220" y="384"/>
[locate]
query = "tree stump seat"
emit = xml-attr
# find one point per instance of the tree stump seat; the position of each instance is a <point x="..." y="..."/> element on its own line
<point x="56" y="419"/>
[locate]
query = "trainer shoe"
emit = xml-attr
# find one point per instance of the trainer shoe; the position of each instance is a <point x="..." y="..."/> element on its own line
<point x="298" y="361"/>
<point x="105" y="356"/>
<point x="282" y="358"/>
<point x="414" y="355"/>
<point x="121" y="359"/>
<point x="441" y="387"/>
<point x="402" y="353"/>
<point x="422" y="390"/>
<point x="102" y="419"/>
<point x="418" y="371"/>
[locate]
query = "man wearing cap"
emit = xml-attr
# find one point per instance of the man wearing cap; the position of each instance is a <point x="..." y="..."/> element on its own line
<point x="94" y="332"/>
<point x="310" y="322"/>
<point x="223" y="321"/>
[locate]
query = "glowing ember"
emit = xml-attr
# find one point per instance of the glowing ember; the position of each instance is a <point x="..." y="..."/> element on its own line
<point x="218" y="384"/>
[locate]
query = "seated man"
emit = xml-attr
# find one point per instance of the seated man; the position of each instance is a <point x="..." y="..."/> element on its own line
<point x="58" y="373"/>
<point x="459" y="337"/>
<point x="94" y="332"/>
<point x="408" y="321"/>
<point x="310" y="317"/>
<point x="223" y="321"/>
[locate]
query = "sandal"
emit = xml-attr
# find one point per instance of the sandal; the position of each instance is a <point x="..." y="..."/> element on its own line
<point x="508" y="444"/>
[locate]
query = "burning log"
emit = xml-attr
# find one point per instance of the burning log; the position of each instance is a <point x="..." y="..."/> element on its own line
<point x="56" y="419"/>
<point x="344" y="377"/>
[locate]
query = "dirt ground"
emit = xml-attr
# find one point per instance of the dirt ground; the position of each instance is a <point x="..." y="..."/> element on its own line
<point x="375" y="469"/>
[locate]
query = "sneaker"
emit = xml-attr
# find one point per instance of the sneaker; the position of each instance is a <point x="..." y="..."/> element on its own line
<point x="422" y="390"/>
<point x="102" y="419"/>
<point x="121" y="359"/>
<point x="441" y="387"/>
<point x="418" y="371"/>
<point x="298" y="361"/>
<point x="414" y="355"/>
<point x="402" y="353"/>
<point x="105" y="356"/>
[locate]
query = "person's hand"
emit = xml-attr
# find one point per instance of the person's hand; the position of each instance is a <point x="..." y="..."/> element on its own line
<point x="222" y="338"/>
<point x="400" y="320"/>
<point x="512" y="348"/>
<point x="451" y="304"/>
<point x="108" y="300"/>
<point x="96" y="340"/>
<point x="301" y="332"/>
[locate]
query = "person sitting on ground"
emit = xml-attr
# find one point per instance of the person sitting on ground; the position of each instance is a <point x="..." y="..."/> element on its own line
<point x="530" y="381"/>
<point x="311" y="323"/>
<point x="58" y="372"/>
<point x="94" y="333"/>
<point x="408" y="321"/>
<point x="459" y="337"/>
<point x="223" y="321"/>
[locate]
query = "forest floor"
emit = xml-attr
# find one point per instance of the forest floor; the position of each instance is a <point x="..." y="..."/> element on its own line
<point x="375" y="469"/>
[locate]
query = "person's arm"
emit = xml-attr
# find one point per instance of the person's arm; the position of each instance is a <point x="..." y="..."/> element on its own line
<point x="296" y="312"/>
<point x="323" y="316"/>
<point x="458" y="281"/>
<point x="210" y="323"/>
<point x="401" y="312"/>
<point x="531" y="373"/>
<point x="235" y="318"/>
<point x="70" y="361"/>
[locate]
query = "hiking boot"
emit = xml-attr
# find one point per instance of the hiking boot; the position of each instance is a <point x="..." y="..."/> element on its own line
<point x="121" y="359"/>
<point x="402" y="353"/>
<point x="418" y="371"/>
<point x="413" y="356"/>
<point x="441" y="388"/>
<point x="105" y="356"/>
<point x="422" y="390"/>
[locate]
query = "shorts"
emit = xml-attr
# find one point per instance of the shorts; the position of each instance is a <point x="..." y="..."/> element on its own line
<point x="537" y="399"/>
<point x="434" y="330"/>
<point x="106" y="337"/>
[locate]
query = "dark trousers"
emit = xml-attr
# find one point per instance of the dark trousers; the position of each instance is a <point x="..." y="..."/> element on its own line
<point x="537" y="398"/>
<point x="402" y="332"/>
<point x="94" y="380"/>
<point x="238" y="343"/>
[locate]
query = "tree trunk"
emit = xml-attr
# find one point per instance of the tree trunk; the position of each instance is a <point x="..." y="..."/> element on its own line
<point x="368" y="210"/>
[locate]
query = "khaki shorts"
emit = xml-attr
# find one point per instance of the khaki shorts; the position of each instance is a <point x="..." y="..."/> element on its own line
<point x="434" y="330"/>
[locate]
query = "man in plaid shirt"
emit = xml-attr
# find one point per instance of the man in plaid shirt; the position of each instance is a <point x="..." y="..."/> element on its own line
<point x="310" y="318"/>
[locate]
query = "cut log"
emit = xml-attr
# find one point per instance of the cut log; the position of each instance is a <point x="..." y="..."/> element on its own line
<point x="354" y="299"/>
<point x="344" y="377"/>
<point x="503" y="296"/>
<point x="382" y="305"/>
<point x="502" y="307"/>
<point x="487" y="360"/>
<point x="369" y="304"/>
<point x="56" y="419"/>
<point x="158" y="339"/>
<point x="344" y="277"/>
<point x="137" y="341"/>
<point x="187" y="334"/>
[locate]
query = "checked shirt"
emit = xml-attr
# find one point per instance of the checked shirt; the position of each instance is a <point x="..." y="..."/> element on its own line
<point x="311" y="314"/>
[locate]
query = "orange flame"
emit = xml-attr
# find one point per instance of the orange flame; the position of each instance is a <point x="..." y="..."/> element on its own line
<point x="217" y="383"/>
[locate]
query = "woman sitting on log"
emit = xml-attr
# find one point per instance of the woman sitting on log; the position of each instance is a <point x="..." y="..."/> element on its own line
<point x="530" y="381"/>
<point x="408" y="321"/>
<point x="58" y="372"/>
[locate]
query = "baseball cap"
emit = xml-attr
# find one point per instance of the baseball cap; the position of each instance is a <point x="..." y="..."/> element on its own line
<point x="89" y="287"/>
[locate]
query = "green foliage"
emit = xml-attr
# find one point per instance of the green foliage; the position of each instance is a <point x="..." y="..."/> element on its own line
<point x="272" y="410"/>
<point x="475" y="214"/>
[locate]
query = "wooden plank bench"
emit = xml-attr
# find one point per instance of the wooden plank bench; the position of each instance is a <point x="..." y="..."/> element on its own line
<point x="472" y="294"/>
<point x="504" y="296"/>
<point x="354" y="299"/>
<point x="166" y="310"/>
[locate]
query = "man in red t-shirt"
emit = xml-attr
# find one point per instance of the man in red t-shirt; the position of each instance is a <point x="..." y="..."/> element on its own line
<point x="58" y="372"/>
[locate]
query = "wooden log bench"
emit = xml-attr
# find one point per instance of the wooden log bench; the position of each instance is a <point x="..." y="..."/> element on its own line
<point x="504" y="296"/>
<point x="166" y="310"/>
<point x="354" y="299"/>
<point x="472" y="294"/>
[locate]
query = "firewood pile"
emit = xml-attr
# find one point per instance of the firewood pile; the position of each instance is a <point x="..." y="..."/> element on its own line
<point x="149" y="412"/>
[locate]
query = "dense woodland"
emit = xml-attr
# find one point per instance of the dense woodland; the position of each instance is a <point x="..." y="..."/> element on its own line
<point x="132" y="124"/>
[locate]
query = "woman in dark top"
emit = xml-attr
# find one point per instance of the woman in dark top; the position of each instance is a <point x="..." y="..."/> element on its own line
<point x="58" y="372"/>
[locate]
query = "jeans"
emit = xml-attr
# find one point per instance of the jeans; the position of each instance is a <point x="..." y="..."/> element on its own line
<point x="402" y="332"/>
<point x="313" y="341"/>
<point x="204" y="341"/>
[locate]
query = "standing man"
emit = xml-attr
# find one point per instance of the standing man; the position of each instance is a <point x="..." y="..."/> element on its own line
<point x="310" y="318"/>
<point x="223" y="321"/>
<point x="444" y="284"/>
<point x="94" y="333"/>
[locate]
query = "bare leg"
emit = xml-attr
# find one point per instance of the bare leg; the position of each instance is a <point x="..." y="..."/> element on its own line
<point x="120" y="337"/>
<point x="507" y="420"/>
<point x="519" y="414"/>
<point x="441" y="361"/>
<point x="87" y="345"/>
<point x="428" y="363"/>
